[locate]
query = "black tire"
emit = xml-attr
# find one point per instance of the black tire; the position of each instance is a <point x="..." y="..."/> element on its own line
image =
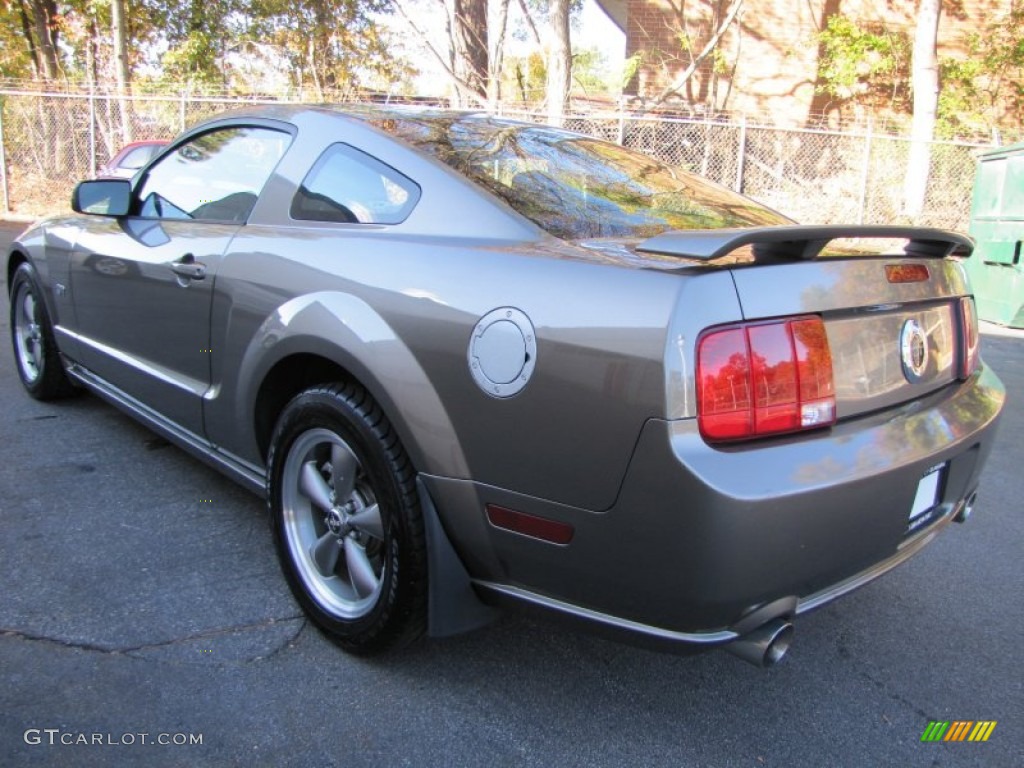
<point x="359" y="574"/>
<point x="36" y="357"/>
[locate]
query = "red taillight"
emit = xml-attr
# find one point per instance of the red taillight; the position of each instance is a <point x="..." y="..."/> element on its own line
<point x="969" y="335"/>
<point x="764" y="379"/>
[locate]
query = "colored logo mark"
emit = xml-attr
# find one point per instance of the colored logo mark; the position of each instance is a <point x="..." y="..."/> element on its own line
<point x="958" y="730"/>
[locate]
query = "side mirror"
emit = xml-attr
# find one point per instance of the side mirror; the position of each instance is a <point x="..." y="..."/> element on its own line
<point x="102" y="197"/>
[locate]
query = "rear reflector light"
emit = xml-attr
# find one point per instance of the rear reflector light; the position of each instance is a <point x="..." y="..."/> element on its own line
<point x="906" y="273"/>
<point x="529" y="525"/>
<point x="764" y="379"/>
<point x="969" y="335"/>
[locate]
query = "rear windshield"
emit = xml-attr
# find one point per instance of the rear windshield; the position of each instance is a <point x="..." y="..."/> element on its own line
<point x="577" y="187"/>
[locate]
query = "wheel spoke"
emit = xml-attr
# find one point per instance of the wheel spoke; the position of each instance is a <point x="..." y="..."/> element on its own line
<point x="325" y="554"/>
<point x="28" y="307"/>
<point x="315" y="487"/>
<point x="37" y="352"/>
<point x="368" y="521"/>
<point x="344" y="466"/>
<point x="329" y="516"/>
<point x="360" y="571"/>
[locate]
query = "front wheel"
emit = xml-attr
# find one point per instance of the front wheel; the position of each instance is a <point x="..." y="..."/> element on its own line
<point x="346" y="519"/>
<point x="35" y="350"/>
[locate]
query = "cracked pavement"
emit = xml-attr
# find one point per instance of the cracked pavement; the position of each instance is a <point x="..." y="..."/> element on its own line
<point x="131" y="604"/>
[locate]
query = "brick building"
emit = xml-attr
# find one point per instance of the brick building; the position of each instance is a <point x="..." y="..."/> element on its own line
<point x="767" y="61"/>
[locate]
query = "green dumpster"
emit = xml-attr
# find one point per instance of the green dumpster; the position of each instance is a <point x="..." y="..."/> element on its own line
<point x="997" y="224"/>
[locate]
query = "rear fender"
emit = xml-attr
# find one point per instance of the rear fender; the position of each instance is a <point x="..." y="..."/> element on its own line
<point x="346" y="330"/>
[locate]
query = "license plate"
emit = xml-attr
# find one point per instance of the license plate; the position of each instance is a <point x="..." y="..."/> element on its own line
<point x="927" y="492"/>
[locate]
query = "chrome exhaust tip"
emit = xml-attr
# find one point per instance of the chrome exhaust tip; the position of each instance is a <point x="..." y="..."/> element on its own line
<point x="764" y="646"/>
<point x="967" y="508"/>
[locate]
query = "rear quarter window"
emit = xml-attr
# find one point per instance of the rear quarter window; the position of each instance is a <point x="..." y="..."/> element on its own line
<point x="348" y="186"/>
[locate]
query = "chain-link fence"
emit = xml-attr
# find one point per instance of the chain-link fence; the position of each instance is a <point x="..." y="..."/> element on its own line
<point x="50" y="141"/>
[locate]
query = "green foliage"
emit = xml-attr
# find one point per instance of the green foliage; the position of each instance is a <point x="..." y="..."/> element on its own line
<point x="14" y="57"/>
<point x="863" y="63"/>
<point x="986" y="89"/>
<point x="528" y="75"/>
<point x="210" y="44"/>
<point x="979" y="92"/>
<point x="590" y="72"/>
<point x="630" y="68"/>
<point x="720" y="63"/>
<point x="193" y="60"/>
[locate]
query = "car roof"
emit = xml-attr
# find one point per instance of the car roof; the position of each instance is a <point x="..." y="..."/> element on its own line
<point x="366" y="113"/>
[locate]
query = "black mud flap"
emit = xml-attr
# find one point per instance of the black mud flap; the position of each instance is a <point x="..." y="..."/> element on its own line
<point x="453" y="606"/>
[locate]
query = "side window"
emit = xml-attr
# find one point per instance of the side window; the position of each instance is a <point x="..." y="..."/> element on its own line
<point x="214" y="177"/>
<point x="348" y="186"/>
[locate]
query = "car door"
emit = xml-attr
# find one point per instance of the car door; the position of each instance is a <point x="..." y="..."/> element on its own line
<point x="142" y="285"/>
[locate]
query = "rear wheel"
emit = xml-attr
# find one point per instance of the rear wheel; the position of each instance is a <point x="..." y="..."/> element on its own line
<point x="35" y="351"/>
<point x="346" y="519"/>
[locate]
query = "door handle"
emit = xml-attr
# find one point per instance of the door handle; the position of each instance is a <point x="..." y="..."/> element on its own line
<point x="188" y="267"/>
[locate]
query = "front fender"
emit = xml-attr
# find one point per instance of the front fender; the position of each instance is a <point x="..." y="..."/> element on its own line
<point x="346" y="330"/>
<point x="48" y="245"/>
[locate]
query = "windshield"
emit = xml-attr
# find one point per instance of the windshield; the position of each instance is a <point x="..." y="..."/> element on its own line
<point x="577" y="187"/>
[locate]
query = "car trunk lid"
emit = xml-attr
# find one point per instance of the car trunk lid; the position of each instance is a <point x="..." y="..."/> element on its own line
<point x="893" y="322"/>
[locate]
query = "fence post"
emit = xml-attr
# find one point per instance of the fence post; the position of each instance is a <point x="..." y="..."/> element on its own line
<point x="741" y="153"/>
<point x="3" y="160"/>
<point x="181" y="110"/>
<point x="92" y="133"/>
<point x="622" y="123"/>
<point x="865" y="173"/>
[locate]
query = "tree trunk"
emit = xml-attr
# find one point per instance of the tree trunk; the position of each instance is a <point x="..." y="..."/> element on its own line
<point x="44" y="21"/>
<point x="469" y="43"/>
<point x="119" y="31"/>
<point x="122" y="70"/>
<point x="26" y="29"/>
<point x="463" y="94"/>
<point x="925" y="74"/>
<point x="323" y="57"/>
<point x="92" y="72"/>
<point x="821" y="101"/>
<point x="559" y="61"/>
<point x="496" y="45"/>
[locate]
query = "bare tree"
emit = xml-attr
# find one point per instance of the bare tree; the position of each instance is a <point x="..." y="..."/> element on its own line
<point x="528" y="18"/>
<point x="468" y="79"/>
<point x="925" y="78"/>
<point x="680" y="82"/>
<point x="559" y="74"/>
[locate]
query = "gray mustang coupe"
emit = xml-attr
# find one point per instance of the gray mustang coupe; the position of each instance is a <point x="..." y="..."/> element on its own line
<point x="470" y="361"/>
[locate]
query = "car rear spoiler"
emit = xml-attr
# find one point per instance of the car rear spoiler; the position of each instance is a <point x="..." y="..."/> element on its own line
<point x="801" y="242"/>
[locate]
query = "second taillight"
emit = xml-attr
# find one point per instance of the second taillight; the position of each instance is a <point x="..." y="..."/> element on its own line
<point x="969" y="337"/>
<point x="764" y="379"/>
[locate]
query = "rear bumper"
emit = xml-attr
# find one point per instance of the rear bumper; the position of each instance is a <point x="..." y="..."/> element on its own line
<point x="702" y="541"/>
<point x="787" y="607"/>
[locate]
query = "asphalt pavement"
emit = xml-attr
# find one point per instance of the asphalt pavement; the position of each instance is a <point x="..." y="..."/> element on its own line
<point x="141" y="602"/>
